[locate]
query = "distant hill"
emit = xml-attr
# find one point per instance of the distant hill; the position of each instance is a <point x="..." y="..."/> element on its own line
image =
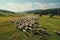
<point x="45" y="12"/>
<point x="8" y="13"/>
<point x="56" y="11"/>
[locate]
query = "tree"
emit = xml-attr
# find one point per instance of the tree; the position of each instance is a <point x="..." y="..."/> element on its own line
<point x="40" y="14"/>
<point x="53" y="12"/>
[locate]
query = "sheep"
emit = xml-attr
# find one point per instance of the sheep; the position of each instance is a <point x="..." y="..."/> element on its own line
<point x="57" y="32"/>
<point x="42" y="30"/>
<point x="35" y="32"/>
<point x="45" y="33"/>
<point x="24" y="30"/>
<point x="26" y="23"/>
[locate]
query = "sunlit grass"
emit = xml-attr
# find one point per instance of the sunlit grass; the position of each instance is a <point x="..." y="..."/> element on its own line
<point x="51" y="24"/>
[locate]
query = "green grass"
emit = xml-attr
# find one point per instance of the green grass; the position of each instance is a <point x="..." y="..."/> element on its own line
<point x="5" y="14"/>
<point x="51" y="24"/>
<point x="9" y="32"/>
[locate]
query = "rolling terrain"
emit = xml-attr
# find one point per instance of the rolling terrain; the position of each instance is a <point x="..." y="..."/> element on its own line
<point x="9" y="32"/>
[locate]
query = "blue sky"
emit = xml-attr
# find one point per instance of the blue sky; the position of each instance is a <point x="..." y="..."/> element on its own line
<point x="25" y="5"/>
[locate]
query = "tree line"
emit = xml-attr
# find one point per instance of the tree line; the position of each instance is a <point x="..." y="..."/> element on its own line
<point x="51" y="12"/>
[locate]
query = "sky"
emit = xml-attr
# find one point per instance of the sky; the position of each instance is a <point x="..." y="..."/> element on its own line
<point x="25" y="5"/>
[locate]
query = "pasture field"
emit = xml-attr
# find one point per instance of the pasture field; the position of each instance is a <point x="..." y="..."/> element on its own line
<point x="9" y="32"/>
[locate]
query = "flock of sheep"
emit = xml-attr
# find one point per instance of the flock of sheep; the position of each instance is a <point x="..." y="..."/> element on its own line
<point x="31" y="24"/>
<point x="26" y="23"/>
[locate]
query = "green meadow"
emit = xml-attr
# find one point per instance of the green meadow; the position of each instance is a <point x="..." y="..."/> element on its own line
<point x="9" y="32"/>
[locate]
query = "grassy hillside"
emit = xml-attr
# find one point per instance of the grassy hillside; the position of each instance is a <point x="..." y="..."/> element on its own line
<point x="9" y="32"/>
<point x="55" y="11"/>
<point x="3" y="14"/>
<point x="51" y="24"/>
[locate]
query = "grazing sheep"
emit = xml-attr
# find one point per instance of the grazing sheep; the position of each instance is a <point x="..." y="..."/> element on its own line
<point x="35" y="32"/>
<point x="26" y="23"/>
<point x="24" y="30"/>
<point x="30" y="28"/>
<point x="57" y="32"/>
<point x="42" y="30"/>
<point x="45" y="33"/>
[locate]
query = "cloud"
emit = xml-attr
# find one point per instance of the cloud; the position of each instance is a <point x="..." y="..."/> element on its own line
<point x="47" y="6"/>
<point x="29" y="6"/>
<point x="20" y="7"/>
